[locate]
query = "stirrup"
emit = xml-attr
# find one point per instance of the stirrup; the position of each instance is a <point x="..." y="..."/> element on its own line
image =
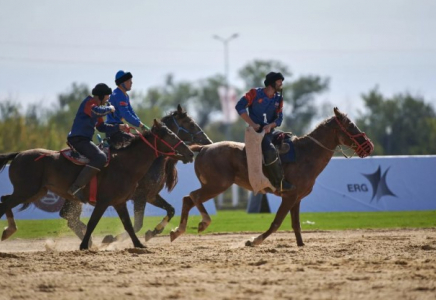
<point x="77" y="194"/>
<point x="286" y="186"/>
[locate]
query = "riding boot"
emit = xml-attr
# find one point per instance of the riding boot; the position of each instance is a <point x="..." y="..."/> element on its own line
<point x="275" y="173"/>
<point x="85" y="176"/>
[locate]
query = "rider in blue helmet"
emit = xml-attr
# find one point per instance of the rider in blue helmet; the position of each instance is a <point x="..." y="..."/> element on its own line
<point x="123" y="110"/>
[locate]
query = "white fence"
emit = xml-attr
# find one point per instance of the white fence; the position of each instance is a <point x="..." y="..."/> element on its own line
<point x="380" y="183"/>
<point x="385" y="183"/>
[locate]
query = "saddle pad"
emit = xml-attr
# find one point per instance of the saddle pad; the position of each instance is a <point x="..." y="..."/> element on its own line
<point x="289" y="156"/>
<point x="253" y="148"/>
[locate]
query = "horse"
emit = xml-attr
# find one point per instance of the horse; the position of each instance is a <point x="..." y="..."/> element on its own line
<point x="33" y="172"/>
<point x="162" y="172"/>
<point x="219" y="165"/>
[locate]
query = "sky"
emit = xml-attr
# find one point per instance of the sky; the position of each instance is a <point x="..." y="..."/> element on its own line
<point x="45" y="46"/>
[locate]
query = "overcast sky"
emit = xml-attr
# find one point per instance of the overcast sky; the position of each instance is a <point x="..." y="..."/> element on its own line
<point x="45" y="46"/>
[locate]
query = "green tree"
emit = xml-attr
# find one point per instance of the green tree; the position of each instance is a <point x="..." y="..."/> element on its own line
<point x="400" y="125"/>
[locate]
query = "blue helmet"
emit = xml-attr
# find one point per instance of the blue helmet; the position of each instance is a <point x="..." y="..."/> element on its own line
<point x="122" y="76"/>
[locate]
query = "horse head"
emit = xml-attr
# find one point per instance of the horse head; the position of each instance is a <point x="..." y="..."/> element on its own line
<point x="186" y="128"/>
<point x="350" y="135"/>
<point x="167" y="143"/>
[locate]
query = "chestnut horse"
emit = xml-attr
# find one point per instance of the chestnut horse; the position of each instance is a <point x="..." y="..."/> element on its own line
<point x="219" y="165"/>
<point x="34" y="172"/>
<point x="162" y="172"/>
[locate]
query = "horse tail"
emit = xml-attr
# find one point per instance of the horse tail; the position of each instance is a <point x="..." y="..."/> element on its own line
<point x="5" y="158"/>
<point x="171" y="174"/>
<point x="196" y="148"/>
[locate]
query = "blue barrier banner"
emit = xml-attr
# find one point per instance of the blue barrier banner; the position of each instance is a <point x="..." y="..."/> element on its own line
<point x="49" y="206"/>
<point x="379" y="183"/>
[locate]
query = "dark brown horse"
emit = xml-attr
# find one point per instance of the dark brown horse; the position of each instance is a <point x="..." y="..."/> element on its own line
<point x="34" y="172"/>
<point x="219" y="165"/>
<point x="162" y="172"/>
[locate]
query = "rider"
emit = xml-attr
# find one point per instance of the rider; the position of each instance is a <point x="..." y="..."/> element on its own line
<point x="123" y="110"/>
<point x="265" y="108"/>
<point x="90" y="116"/>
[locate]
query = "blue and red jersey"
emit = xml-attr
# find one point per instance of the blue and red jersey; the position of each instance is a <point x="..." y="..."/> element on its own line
<point x="259" y="104"/>
<point x="123" y="109"/>
<point x="90" y="116"/>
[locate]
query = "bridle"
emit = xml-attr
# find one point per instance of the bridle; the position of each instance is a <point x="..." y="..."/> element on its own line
<point x="180" y="128"/>
<point x="154" y="147"/>
<point x="362" y="150"/>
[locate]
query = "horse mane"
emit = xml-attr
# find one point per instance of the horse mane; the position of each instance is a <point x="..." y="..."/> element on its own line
<point x="131" y="142"/>
<point x="171" y="174"/>
<point x="173" y="114"/>
<point x="343" y="119"/>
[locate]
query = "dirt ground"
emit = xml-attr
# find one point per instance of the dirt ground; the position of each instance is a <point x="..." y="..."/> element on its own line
<point x="362" y="264"/>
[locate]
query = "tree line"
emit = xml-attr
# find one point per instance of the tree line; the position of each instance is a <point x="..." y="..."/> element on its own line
<point x="403" y="124"/>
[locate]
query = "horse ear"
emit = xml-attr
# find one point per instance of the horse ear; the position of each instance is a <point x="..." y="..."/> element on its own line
<point x="179" y="109"/>
<point x="156" y="123"/>
<point x="337" y="112"/>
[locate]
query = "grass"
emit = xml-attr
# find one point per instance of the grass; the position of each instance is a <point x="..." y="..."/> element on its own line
<point x="238" y="221"/>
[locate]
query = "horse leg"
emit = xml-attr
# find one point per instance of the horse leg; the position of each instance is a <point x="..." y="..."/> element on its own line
<point x="186" y="207"/>
<point x="197" y="198"/>
<point x="96" y="215"/>
<point x="202" y="195"/>
<point x="71" y="211"/>
<point x="9" y="202"/>
<point x="12" y="227"/>
<point x="160" y="202"/>
<point x="123" y="213"/>
<point x="284" y="208"/>
<point x="138" y="210"/>
<point x="295" y="218"/>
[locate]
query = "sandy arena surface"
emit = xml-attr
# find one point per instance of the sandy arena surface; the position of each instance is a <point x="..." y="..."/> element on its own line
<point x="362" y="264"/>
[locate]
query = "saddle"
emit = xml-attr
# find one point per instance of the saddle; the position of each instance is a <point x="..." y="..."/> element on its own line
<point x="76" y="158"/>
<point x="285" y="147"/>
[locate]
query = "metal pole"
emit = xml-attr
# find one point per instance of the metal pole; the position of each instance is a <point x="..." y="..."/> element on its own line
<point x="235" y="195"/>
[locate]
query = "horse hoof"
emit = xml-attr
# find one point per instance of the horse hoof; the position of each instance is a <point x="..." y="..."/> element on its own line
<point x="249" y="244"/>
<point x="173" y="235"/>
<point x="8" y="232"/>
<point x="149" y="235"/>
<point x="252" y="243"/>
<point x="300" y="244"/>
<point x="108" y="239"/>
<point x="202" y="226"/>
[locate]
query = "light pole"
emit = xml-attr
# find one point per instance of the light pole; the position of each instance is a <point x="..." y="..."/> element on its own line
<point x="225" y="41"/>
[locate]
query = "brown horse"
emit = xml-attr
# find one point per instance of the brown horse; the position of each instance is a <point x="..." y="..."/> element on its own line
<point x="162" y="172"/>
<point x="34" y="172"/>
<point x="219" y="165"/>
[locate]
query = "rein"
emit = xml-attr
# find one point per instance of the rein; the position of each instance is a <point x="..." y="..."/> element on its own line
<point x="334" y="150"/>
<point x="180" y="128"/>
<point x="154" y="147"/>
